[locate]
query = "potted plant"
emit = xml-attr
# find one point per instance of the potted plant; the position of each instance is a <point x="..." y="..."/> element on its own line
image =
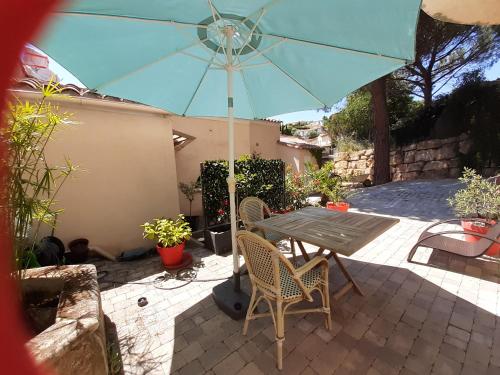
<point x="171" y="236"/>
<point x="190" y="190"/>
<point x="331" y="185"/>
<point x="478" y="205"/>
<point x="218" y="237"/>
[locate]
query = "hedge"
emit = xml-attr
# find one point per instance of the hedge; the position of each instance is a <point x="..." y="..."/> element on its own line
<point x="255" y="176"/>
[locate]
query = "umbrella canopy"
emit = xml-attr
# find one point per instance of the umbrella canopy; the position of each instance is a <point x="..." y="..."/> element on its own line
<point x="468" y="12"/>
<point x="198" y="57"/>
<point x="289" y="55"/>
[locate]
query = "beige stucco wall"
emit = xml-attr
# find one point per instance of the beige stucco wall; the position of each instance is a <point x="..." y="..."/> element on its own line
<point x="263" y="139"/>
<point x="127" y="172"/>
<point x="210" y="143"/>
<point x="295" y="157"/>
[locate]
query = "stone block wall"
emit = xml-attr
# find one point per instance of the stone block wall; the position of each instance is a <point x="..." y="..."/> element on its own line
<point x="434" y="158"/>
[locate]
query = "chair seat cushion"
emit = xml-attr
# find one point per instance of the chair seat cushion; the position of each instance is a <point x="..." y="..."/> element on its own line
<point x="289" y="287"/>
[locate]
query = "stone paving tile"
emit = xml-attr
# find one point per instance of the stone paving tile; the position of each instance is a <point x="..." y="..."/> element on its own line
<point x="413" y="319"/>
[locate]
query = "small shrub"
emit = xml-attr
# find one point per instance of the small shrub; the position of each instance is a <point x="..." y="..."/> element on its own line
<point x="167" y="232"/>
<point x="312" y="134"/>
<point x="348" y="143"/>
<point x="331" y="184"/>
<point x="299" y="187"/>
<point x="190" y="190"/>
<point x="479" y="198"/>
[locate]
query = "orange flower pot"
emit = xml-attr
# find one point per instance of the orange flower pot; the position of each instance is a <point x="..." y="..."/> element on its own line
<point x="471" y="226"/>
<point x="171" y="256"/>
<point x="339" y="206"/>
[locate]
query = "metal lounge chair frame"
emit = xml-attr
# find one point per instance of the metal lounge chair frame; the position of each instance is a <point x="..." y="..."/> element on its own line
<point x="439" y="240"/>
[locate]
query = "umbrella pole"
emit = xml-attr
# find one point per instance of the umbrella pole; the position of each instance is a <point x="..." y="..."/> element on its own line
<point x="228" y="296"/>
<point x="231" y="182"/>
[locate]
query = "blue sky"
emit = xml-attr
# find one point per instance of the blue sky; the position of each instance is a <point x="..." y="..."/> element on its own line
<point x="66" y="77"/>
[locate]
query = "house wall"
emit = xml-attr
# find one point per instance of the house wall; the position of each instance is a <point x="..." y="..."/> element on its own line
<point x="127" y="171"/>
<point x="210" y="143"/>
<point x="264" y="136"/>
<point x="295" y="157"/>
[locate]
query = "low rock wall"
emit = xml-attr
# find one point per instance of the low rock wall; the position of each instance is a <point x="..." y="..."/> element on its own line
<point x="435" y="158"/>
<point x="76" y="342"/>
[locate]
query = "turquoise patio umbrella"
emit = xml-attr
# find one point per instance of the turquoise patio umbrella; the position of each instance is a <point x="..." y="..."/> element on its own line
<point x="236" y="58"/>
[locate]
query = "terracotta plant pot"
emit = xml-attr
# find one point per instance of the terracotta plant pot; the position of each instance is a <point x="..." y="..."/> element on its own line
<point x="339" y="206"/>
<point x="171" y="256"/>
<point x="481" y="228"/>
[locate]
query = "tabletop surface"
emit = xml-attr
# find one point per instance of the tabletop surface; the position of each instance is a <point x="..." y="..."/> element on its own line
<point x="341" y="232"/>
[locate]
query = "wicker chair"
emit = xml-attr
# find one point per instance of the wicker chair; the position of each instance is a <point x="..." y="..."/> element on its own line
<point x="253" y="209"/>
<point x="275" y="279"/>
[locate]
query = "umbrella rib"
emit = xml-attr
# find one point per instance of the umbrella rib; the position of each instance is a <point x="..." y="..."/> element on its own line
<point x="345" y="49"/>
<point x="135" y="71"/>
<point x="200" y="82"/>
<point x="244" y="63"/>
<point x="214" y="10"/>
<point x="252" y="104"/>
<point x="208" y="61"/>
<point x="294" y="80"/>
<point x="139" y="19"/>
<point x="250" y="34"/>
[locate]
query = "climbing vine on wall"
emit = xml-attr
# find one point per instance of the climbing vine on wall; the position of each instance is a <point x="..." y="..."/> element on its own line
<point x="255" y="176"/>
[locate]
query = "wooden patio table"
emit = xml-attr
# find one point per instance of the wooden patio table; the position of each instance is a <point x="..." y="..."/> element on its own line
<point x="337" y="232"/>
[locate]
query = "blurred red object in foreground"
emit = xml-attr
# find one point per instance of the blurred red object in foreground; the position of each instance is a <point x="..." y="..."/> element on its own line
<point x="19" y="21"/>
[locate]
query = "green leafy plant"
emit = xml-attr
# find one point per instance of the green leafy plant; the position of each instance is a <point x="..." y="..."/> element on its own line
<point x="299" y="187"/>
<point x="331" y="184"/>
<point x="167" y="232"/>
<point x="32" y="183"/>
<point x="190" y="190"/>
<point x="479" y="198"/>
<point x="254" y="175"/>
<point x="312" y="134"/>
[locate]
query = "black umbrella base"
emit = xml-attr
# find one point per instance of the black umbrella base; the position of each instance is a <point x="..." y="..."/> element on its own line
<point x="233" y="303"/>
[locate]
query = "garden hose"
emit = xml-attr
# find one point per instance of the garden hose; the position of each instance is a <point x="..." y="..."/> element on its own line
<point x="188" y="275"/>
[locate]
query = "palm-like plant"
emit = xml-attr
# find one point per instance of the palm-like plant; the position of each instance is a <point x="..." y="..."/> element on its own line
<point x="32" y="183"/>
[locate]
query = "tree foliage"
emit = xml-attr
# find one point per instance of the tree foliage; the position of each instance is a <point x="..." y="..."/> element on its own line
<point x="444" y="51"/>
<point x="355" y="122"/>
<point x="471" y="108"/>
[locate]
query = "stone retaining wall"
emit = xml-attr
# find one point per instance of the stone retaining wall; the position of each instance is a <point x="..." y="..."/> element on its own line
<point x="435" y="158"/>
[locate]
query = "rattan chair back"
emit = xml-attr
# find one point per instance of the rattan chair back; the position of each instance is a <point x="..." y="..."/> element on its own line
<point x="253" y="209"/>
<point x="267" y="266"/>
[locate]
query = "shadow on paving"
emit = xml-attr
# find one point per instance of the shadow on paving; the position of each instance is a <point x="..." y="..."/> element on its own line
<point x="418" y="200"/>
<point x="142" y="270"/>
<point x="486" y="267"/>
<point x="130" y="354"/>
<point x="403" y="321"/>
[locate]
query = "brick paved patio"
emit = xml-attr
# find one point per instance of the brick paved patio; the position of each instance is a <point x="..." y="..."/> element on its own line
<point x="414" y="319"/>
